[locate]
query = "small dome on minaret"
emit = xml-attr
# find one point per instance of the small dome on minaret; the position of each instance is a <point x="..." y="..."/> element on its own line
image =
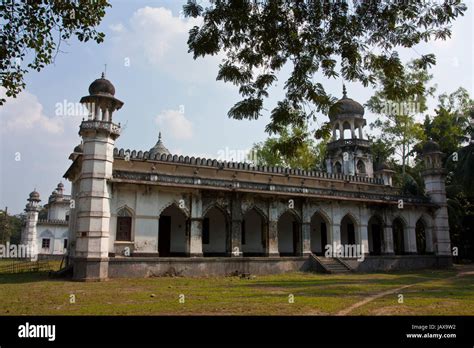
<point x="345" y="107"/>
<point x="159" y="147"/>
<point x="102" y="86"/>
<point x="34" y="196"/>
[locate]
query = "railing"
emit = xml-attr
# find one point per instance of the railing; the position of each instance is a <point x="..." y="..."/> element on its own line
<point x="348" y="142"/>
<point x="12" y="266"/>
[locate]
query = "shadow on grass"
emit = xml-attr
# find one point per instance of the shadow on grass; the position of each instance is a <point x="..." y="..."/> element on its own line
<point x="27" y="277"/>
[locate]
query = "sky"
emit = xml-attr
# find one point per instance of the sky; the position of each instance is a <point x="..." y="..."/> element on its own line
<point x="164" y="89"/>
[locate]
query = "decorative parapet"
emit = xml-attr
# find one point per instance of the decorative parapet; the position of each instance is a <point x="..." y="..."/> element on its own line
<point x="262" y="187"/>
<point x="203" y="162"/>
<point x="53" y="222"/>
<point x="348" y="142"/>
<point x="108" y="126"/>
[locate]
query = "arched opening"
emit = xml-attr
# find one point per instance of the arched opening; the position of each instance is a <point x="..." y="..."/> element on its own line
<point x="215" y="233"/>
<point x="336" y="132"/>
<point x="375" y="235"/>
<point x="123" y="232"/>
<point x="420" y="231"/>
<point x="347" y="130"/>
<point x="319" y="234"/>
<point x="253" y="233"/>
<point x="172" y="232"/>
<point x="361" y="167"/>
<point x="398" y="228"/>
<point x="289" y="231"/>
<point x="338" y="168"/>
<point x="348" y="235"/>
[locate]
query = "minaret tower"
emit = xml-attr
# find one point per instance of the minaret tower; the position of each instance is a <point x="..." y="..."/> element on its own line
<point x="29" y="234"/>
<point x="93" y="199"/>
<point x="350" y="154"/>
<point x="434" y="176"/>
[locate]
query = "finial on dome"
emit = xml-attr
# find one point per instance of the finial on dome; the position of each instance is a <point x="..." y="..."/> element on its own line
<point x="344" y="91"/>
<point x="159" y="136"/>
<point x="103" y="75"/>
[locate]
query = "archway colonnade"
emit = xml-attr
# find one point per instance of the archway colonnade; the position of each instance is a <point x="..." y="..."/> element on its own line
<point x="220" y="231"/>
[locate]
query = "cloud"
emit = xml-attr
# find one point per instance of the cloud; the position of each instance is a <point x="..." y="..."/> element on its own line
<point x="174" y="122"/>
<point x="117" y="28"/>
<point x="154" y="36"/>
<point x="24" y="113"/>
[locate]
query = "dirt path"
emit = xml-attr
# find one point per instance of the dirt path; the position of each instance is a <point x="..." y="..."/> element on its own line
<point x="462" y="271"/>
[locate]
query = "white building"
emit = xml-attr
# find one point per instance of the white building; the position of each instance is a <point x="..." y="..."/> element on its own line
<point x="51" y="234"/>
<point x="142" y="213"/>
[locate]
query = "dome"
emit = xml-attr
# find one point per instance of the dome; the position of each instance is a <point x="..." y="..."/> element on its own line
<point x="345" y="106"/>
<point x="159" y="148"/>
<point x="102" y="86"/>
<point x="60" y="185"/>
<point x="34" y="196"/>
<point x="431" y="146"/>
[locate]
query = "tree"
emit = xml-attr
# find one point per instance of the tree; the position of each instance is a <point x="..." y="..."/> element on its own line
<point x="449" y="126"/>
<point x="398" y="125"/>
<point x="10" y="227"/>
<point x="309" y="154"/>
<point x="34" y="30"/>
<point x="356" y="40"/>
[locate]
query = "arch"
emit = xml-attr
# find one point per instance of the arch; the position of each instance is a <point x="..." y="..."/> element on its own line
<point x="125" y="210"/>
<point x="421" y="240"/>
<point x="215" y="231"/>
<point x="217" y="206"/>
<point x="292" y="211"/>
<point x="399" y="227"/>
<point x="349" y="225"/>
<point x="337" y="168"/>
<point x="361" y="167"/>
<point x="258" y="209"/>
<point x="346" y="129"/>
<point x="319" y="232"/>
<point x="375" y="234"/>
<point x="47" y="234"/>
<point x="254" y="233"/>
<point x="336" y="132"/>
<point x="174" y="202"/>
<point x="289" y="233"/>
<point x="173" y="230"/>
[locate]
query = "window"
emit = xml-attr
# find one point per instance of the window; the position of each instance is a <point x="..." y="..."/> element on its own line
<point x="45" y="243"/>
<point x="67" y="217"/>
<point x="124" y="226"/>
<point x="65" y="244"/>
<point x="243" y="232"/>
<point x="337" y="168"/>
<point x="205" y="231"/>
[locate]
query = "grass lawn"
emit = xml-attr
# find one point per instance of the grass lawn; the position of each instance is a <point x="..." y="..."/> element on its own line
<point x="437" y="292"/>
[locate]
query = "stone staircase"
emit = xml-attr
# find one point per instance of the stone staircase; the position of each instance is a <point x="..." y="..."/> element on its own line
<point x="331" y="265"/>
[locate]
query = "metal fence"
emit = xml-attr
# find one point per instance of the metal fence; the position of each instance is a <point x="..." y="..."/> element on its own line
<point x="11" y="266"/>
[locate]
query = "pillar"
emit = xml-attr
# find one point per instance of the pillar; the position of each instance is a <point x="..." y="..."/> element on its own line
<point x="195" y="233"/>
<point x="410" y="240"/>
<point x="236" y="226"/>
<point x="388" y="240"/>
<point x="306" y="230"/>
<point x="272" y="249"/>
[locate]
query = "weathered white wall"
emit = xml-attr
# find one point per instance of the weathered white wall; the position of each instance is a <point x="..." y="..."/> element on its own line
<point x="56" y="234"/>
